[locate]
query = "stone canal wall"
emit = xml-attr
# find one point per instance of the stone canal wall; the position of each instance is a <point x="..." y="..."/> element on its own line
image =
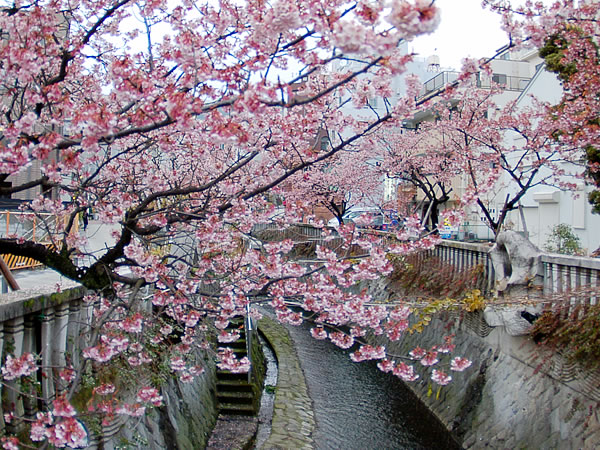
<point x="509" y="397"/>
<point x="184" y="422"/>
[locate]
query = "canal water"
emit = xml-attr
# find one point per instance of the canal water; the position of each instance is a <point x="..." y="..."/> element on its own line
<point x="359" y="407"/>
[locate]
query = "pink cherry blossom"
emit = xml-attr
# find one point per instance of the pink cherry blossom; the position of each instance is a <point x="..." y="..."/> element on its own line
<point x="149" y="395"/>
<point x="342" y="340"/>
<point x="133" y="410"/>
<point x="318" y="333"/>
<point x="204" y="158"/>
<point x="67" y="374"/>
<point x="417" y="353"/>
<point x="62" y="408"/>
<point x="386" y="365"/>
<point x="228" y="336"/>
<point x="19" y="367"/>
<point x="10" y="443"/>
<point x="105" y="389"/>
<point x="440" y="377"/>
<point x="405" y="372"/>
<point x="368" y="352"/>
<point x="459" y="364"/>
<point x="177" y="363"/>
<point x="430" y="358"/>
<point x="68" y="432"/>
<point x="132" y="324"/>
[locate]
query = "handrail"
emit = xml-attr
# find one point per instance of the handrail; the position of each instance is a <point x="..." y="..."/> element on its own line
<point x="8" y="276"/>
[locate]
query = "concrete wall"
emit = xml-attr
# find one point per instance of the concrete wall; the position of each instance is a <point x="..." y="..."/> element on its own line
<point x="185" y="422"/>
<point x="511" y="397"/>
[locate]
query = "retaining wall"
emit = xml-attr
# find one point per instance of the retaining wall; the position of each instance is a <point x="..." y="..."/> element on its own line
<point x="54" y="324"/>
<point x="510" y="397"/>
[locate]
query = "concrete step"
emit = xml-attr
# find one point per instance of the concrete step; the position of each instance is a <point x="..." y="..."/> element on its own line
<point x="236" y="409"/>
<point x="239" y="344"/>
<point x="226" y="375"/>
<point x="240" y="398"/>
<point x="233" y="386"/>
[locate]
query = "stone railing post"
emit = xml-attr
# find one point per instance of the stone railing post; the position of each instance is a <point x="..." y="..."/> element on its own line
<point x="37" y="322"/>
<point x="59" y="345"/>
<point x="74" y="327"/>
<point x="29" y="344"/>
<point x="13" y="342"/>
<point x="46" y="351"/>
<point x="2" y="424"/>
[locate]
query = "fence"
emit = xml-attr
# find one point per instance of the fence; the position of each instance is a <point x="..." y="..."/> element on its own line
<point x="48" y="324"/>
<point x="563" y="276"/>
<point x="31" y="227"/>
<point x="560" y="273"/>
<point x="465" y="255"/>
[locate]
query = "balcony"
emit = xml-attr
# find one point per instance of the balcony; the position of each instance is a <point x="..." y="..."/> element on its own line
<point x="438" y="83"/>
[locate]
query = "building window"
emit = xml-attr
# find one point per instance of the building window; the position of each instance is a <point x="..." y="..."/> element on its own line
<point x="499" y="78"/>
<point x="372" y="102"/>
<point x="324" y="143"/>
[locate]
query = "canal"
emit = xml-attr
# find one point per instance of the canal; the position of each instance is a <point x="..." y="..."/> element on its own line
<point x="357" y="406"/>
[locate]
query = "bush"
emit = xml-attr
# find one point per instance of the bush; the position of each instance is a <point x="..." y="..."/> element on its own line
<point x="563" y="240"/>
<point x="576" y="334"/>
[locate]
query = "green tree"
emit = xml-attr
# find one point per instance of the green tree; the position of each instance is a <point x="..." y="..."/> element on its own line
<point x="563" y="240"/>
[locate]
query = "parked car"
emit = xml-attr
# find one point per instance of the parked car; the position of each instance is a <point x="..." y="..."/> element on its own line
<point x="352" y="215"/>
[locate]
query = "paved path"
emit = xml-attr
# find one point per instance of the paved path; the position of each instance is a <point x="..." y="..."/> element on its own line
<point x="293" y="418"/>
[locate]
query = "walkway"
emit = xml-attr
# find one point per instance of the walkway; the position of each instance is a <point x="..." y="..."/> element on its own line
<point x="293" y="419"/>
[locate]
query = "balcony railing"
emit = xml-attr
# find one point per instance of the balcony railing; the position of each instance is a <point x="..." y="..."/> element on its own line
<point x="437" y="83"/>
<point x="443" y="79"/>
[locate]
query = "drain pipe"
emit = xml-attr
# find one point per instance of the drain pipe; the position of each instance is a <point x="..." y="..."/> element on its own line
<point x="8" y="276"/>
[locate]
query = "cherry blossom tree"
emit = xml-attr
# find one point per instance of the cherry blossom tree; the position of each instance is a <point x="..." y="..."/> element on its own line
<point x="421" y="158"/>
<point x="506" y="149"/>
<point x="175" y="125"/>
<point x="178" y="125"/>
<point x="567" y="34"/>
<point x="347" y="179"/>
<point x="484" y="135"/>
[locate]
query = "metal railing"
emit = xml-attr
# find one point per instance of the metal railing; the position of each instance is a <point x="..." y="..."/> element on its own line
<point x="30" y="227"/>
<point x="438" y="82"/>
<point x="443" y="79"/>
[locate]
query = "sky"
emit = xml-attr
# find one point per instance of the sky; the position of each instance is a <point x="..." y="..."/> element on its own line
<point x="465" y="30"/>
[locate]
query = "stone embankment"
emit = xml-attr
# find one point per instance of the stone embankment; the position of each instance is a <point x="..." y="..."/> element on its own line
<point x="511" y="397"/>
<point x="293" y="419"/>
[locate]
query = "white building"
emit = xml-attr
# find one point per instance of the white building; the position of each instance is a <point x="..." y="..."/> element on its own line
<point x="544" y="207"/>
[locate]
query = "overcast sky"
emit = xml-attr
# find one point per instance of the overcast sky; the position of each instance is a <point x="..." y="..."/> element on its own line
<point x="465" y="30"/>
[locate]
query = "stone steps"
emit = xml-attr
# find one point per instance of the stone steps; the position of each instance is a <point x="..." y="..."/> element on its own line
<point x="235" y="396"/>
<point x="226" y="375"/>
<point x="236" y="409"/>
<point x="233" y="386"/>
